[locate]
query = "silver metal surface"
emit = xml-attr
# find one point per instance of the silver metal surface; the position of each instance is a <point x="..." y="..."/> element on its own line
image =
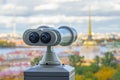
<point x="63" y="35"/>
<point x="50" y="57"/>
<point x="68" y="35"/>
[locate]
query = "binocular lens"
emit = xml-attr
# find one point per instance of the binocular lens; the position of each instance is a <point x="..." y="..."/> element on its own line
<point x="45" y="37"/>
<point x="34" y="37"/>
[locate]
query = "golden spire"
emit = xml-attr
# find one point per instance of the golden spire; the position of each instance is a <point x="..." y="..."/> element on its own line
<point x="89" y="26"/>
<point x="89" y="41"/>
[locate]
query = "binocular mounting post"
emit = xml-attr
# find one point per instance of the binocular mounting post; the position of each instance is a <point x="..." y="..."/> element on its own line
<point x="50" y="58"/>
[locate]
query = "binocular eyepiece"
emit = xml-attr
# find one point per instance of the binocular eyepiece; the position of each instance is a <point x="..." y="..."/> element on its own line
<point x="48" y="36"/>
<point x="34" y="37"/>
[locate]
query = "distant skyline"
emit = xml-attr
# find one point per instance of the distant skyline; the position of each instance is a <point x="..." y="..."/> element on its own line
<point x="105" y="14"/>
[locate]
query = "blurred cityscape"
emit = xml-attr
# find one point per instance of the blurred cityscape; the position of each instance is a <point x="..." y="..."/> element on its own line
<point x="91" y="49"/>
<point x="8" y="39"/>
<point x="95" y="54"/>
<point x="16" y="56"/>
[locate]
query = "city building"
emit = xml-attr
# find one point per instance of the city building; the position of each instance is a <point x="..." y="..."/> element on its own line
<point x="89" y="49"/>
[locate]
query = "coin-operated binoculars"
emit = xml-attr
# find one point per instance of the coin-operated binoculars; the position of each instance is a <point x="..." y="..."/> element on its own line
<point x="50" y="68"/>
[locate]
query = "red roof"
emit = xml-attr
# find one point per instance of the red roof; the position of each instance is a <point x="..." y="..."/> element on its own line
<point x="1" y="59"/>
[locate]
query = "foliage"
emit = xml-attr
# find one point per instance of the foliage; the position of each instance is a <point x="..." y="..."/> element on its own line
<point x="102" y="69"/>
<point x="109" y="60"/>
<point x="94" y="68"/>
<point x="4" y="43"/>
<point x="116" y="76"/>
<point x="89" y="76"/>
<point x="74" y="59"/>
<point x="79" y="77"/>
<point x="84" y="69"/>
<point x="105" y="73"/>
<point x="97" y="61"/>
<point x="35" y="61"/>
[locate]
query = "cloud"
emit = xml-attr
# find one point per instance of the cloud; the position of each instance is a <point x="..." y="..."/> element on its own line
<point x="11" y="9"/>
<point x="61" y="7"/>
<point x="61" y="1"/>
<point x="111" y="28"/>
<point x="116" y="6"/>
<point x="58" y="19"/>
<point x="60" y="12"/>
<point x="46" y="7"/>
<point x="78" y="8"/>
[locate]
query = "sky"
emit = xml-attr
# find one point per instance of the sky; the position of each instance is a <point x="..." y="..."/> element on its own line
<point x="25" y="14"/>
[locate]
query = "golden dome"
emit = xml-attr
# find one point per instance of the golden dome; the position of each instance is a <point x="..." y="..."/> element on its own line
<point x="89" y="43"/>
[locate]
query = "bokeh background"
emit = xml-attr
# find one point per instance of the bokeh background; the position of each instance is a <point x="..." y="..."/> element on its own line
<point x="97" y="58"/>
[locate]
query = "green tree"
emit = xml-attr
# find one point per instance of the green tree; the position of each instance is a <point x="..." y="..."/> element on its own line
<point x="35" y="61"/>
<point x="81" y="69"/>
<point x="116" y="76"/>
<point x="74" y="59"/>
<point x="89" y="76"/>
<point x="94" y="68"/>
<point x="109" y="60"/>
<point x="105" y="73"/>
<point x="97" y="60"/>
<point x="4" y="43"/>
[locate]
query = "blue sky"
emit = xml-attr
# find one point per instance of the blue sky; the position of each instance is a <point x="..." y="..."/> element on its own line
<point x="26" y="14"/>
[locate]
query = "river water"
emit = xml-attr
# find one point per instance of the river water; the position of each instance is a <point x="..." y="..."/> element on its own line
<point x="57" y="50"/>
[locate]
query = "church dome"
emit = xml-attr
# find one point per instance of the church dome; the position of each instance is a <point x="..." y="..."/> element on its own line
<point x="89" y="43"/>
